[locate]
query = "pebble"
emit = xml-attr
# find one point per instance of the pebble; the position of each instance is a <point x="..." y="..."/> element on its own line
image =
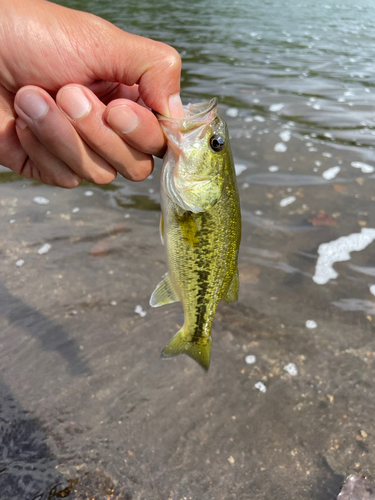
<point x="260" y="386"/>
<point x="20" y="262"/>
<point x="291" y="369"/>
<point x="250" y="359"/>
<point x="366" y="169"/>
<point x="138" y="309"/>
<point x="40" y="200"/>
<point x="44" y="249"/>
<point x="330" y="173"/>
<point x="287" y="201"/>
<point x="233" y="112"/>
<point x="280" y="147"/>
<point x="311" y="324"/>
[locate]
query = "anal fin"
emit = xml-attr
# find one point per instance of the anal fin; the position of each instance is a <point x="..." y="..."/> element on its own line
<point x="163" y="293"/>
<point x="232" y="293"/>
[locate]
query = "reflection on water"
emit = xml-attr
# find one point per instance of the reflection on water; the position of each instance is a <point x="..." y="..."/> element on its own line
<point x="295" y="82"/>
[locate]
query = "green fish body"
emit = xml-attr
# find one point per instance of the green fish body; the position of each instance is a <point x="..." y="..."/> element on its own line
<point x="200" y="226"/>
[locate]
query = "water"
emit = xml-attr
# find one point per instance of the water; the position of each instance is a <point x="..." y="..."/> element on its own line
<point x="88" y="410"/>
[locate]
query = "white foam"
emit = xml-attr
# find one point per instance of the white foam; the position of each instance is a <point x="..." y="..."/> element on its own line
<point x="250" y="359"/>
<point x="44" y="249"/>
<point x="138" y="309"/>
<point x="260" y="386"/>
<point x="311" y="324"/>
<point x="40" y="200"/>
<point x="331" y="173"/>
<point x="276" y="107"/>
<point x="339" y="251"/>
<point x="291" y="369"/>
<point x="280" y="147"/>
<point x="287" y="201"/>
<point x="285" y="135"/>
<point x="233" y="112"/>
<point x="239" y="167"/>
<point x="365" y="167"/>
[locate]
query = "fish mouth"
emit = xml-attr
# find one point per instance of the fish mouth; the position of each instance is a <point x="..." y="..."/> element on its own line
<point x="196" y="114"/>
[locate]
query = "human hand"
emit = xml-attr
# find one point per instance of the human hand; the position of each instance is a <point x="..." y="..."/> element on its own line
<point x="75" y="93"/>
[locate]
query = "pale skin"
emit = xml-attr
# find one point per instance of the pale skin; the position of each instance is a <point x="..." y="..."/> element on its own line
<point x="76" y="95"/>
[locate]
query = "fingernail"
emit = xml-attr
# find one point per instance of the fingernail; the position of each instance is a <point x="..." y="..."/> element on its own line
<point x="175" y="106"/>
<point x="123" y="119"/>
<point x="74" y="103"/>
<point x="32" y="104"/>
<point x="21" y="124"/>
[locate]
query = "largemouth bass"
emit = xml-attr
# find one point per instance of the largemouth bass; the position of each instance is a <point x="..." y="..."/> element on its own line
<point x="200" y="225"/>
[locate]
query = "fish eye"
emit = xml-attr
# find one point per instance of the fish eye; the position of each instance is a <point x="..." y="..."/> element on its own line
<point x="217" y="143"/>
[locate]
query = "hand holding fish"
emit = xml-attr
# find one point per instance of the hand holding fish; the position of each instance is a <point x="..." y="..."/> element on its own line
<point x="76" y="93"/>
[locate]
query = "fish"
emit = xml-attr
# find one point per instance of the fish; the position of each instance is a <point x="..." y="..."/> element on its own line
<point x="200" y="225"/>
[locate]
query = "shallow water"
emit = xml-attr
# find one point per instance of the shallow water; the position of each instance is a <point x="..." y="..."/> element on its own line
<point x="88" y="410"/>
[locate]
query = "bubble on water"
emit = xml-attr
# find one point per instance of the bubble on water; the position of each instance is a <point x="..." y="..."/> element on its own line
<point x="339" y="251"/>
<point x="151" y="190"/>
<point x="256" y="100"/>
<point x="258" y="212"/>
<point x="12" y="221"/>
<point x="365" y="167"/>
<point x="233" y="112"/>
<point x="273" y="168"/>
<point x="285" y="135"/>
<point x="44" y="249"/>
<point x="331" y="173"/>
<point x="260" y="386"/>
<point x="259" y="118"/>
<point x="327" y="155"/>
<point x="20" y="262"/>
<point x="277" y="107"/>
<point x="40" y="200"/>
<point x="280" y="147"/>
<point x="239" y="167"/>
<point x="75" y="210"/>
<point x="287" y="201"/>
<point x="291" y="369"/>
<point x="250" y="359"/>
<point x="114" y="303"/>
<point x="317" y="106"/>
<point x="138" y="309"/>
<point x="89" y="193"/>
<point x="312" y="99"/>
<point x="311" y="324"/>
<point x="318" y="163"/>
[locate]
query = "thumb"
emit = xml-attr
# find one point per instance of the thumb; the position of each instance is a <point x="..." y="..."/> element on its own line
<point x="132" y="59"/>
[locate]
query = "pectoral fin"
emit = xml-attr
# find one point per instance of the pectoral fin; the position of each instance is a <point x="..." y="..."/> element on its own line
<point x="163" y="293"/>
<point x="232" y="293"/>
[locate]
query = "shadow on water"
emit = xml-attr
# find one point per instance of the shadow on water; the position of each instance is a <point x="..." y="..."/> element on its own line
<point x="50" y="335"/>
<point x="28" y="470"/>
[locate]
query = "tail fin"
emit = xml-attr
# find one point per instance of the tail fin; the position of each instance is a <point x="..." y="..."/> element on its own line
<point x="198" y="348"/>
